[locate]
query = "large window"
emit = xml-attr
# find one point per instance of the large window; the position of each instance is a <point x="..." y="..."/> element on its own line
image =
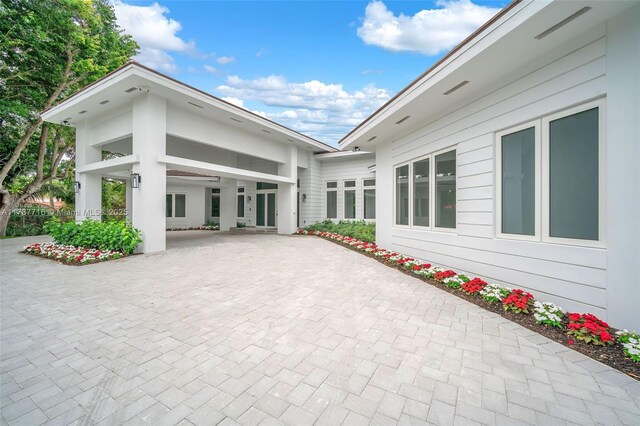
<point x="240" y="212"/>
<point x="421" y="181"/>
<point x="421" y="192"/>
<point x="349" y="199"/>
<point x="518" y="186"/>
<point x="574" y="176"/>
<point x="332" y="200"/>
<point x="402" y="195"/>
<point x="549" y="178"/>
<point x="176" y="205"/>
<point x="215" y="202"/>
<point x="369" y="198"/>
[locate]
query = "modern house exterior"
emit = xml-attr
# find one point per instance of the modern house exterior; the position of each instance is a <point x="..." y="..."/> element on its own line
<point x="514" y="158"/>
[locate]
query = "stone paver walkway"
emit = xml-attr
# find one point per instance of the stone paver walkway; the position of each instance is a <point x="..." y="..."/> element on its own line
<point x="266" y="329"/>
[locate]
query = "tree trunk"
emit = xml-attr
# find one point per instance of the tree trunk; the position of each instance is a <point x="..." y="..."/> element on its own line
<point x="8" y="204"/>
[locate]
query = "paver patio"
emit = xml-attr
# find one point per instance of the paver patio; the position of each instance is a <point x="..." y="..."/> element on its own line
<point x="266" y="329"/>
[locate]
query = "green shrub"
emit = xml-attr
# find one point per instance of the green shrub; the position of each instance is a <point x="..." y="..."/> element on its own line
<point x="361" y="230"/>
<point x="112" y="235"/>
<point x="26" y="221"/>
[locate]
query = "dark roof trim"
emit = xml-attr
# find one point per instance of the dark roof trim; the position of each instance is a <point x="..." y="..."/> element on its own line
<point x="464" y="42"/>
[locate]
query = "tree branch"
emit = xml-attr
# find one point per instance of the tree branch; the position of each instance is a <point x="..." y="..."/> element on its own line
<point x="44" y="134"/>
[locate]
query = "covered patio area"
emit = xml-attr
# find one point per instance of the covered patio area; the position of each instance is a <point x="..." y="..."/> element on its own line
<point x="190" y="158"/>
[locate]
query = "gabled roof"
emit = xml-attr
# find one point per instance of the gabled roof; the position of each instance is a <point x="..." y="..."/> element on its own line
<point x="123" y="83"/>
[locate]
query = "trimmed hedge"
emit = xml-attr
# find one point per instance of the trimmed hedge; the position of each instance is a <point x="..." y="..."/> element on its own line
<point x="360" y="229"/>
<point x="111" y="235"/>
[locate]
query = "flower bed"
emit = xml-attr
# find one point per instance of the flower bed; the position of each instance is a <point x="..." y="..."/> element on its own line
<point x="71" y="255"/>
<point x="197" y="228"/>
<point x="582" y="332"/>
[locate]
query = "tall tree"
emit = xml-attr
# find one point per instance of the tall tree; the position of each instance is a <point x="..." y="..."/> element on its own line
<point x="48" y="50"/>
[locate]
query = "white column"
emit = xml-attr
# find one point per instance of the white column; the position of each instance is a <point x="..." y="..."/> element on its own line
<point x="287" y="193"/>
<point x="228" y="208"/>
<point x="149" y="141"/>
<point x="623" y="176"/>
<point x="89" y="199"/>
<point x="128" y="200"/>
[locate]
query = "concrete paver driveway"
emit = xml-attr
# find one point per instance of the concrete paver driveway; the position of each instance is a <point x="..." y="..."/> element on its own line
<point x="269" y="329"/>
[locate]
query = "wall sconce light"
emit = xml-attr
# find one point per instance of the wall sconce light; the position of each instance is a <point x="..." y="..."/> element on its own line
<point x="304" y="197"/>
<point x="76" y="186"/>
<point x="135" y="180"/>
<point x="248" y="198"/>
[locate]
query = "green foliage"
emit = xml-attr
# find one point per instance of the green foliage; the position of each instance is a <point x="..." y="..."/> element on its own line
<point x="111" y="235"/>
<point x="28" y="221"/>
<point x="361" y="230"/>
<point x="114" y="200"/>
<point x="211" y="222"/>
<point x="240" y="225"/>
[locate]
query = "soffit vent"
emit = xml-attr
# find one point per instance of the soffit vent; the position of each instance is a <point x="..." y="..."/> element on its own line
<point x="131" y="89"/>
<point x="266" y="131"/>
<point x="83" y="111"/>
<point x="562" y="23"/>
<point x="371" y="138"/>
<point x="196" y="105"/>
<point x="403" y="119"/>
<point x="106" y="101"/>
<point x="235" y="119"/>
<point x="456" y="87"/>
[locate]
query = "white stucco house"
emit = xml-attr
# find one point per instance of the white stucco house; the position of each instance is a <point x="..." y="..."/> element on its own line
<point x="514" y="158"/>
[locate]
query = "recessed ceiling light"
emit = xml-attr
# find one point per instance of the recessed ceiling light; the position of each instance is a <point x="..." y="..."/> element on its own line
<point x="456" y="87"/>
<point x="131" y="89"/>
<point x="562" y="23"/>
<point x="371" y="138"/>
<point x="235" y="119"/>
<point x="196" y="105"/>
<point x="106" y="101"/>
<point x="83" y="111"/>
<point x="266" y="131"/>
<point x="403" y="119"/>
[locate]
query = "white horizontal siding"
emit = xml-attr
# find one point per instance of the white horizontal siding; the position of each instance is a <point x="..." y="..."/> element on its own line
<point x="339" y="170"/>
<point x="574" y="277"/>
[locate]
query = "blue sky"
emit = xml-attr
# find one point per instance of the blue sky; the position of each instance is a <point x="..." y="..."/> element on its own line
<point x="319" y="67"/>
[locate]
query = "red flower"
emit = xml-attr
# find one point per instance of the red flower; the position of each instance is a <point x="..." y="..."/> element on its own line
<point x="416" y="267"/>
<point x="570" y="341"/>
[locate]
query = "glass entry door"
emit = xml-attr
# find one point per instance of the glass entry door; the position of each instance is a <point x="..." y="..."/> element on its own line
<point x="266" y="209"/>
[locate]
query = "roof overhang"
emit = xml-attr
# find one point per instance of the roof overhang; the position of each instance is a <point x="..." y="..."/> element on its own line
<point x="119" y="88"/>
<point x="501" y="47"/>
<point x="343" y="154"/>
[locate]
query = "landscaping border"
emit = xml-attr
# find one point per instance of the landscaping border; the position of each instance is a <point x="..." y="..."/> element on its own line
<point x="71" y="255"/>
<point x="612" y="354"/>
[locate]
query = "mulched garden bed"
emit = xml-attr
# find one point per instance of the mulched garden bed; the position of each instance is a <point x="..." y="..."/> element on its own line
<point x="611" y="355"/>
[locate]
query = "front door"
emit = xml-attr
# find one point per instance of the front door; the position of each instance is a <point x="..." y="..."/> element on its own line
<point x="266" y="209"/>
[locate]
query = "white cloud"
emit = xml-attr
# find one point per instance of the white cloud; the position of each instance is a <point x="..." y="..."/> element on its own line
<point x="260" y="53"/>
<point x="211" y="69"/>
<point x="234" y="101"/>
<point x="321" y="110"/>
<point x="224" y="60"/>
<point x="430" y="31"/>
<point x="155" y="33"/>
<point x="157" y="59"/>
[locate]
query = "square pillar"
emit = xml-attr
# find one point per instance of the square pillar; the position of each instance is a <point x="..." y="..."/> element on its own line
<point x="89" y="199"/>
<point x="288" y="193"/>
<point x="228" y="208"/>
<point x="148" y="210"/>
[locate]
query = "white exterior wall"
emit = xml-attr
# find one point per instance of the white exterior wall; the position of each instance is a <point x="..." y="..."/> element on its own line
<point x="577" y="278"/>
<point x="195" y="206"/>
<point x="311" y="185"/>
<point x="341" y="169"/>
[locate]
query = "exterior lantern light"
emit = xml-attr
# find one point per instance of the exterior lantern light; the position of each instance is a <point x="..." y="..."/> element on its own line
<point x="304" y="197"/>
<point x="248" y="198"/>
<point x="135" y="180"/>
<point x="76" y="186"/>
